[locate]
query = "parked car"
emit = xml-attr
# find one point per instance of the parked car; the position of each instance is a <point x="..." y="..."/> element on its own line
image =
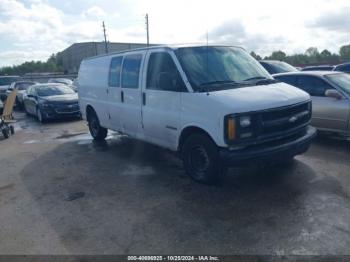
<point x="330" y="93"/>
<point x="215" y="105"/>
<point x="51" y="101"/>
<point x="5" y="82"/>
<point x="275" y="66"/>
<point x="21" y="87"/>
<point x="343" y="67"/>
<point x="318" y="68"/>
<point x="65" y="81"/>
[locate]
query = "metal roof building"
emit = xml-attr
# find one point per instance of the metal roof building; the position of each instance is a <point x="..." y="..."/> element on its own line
<point x="73" y="55"/>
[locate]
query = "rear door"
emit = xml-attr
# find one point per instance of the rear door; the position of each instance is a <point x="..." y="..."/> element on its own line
<point x="130" y="95"/>
<point x="327" y="113"/>
<point x="161" y="107"/>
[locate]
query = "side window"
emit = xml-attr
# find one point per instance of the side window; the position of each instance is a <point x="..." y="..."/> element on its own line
<point x="287" y="79"/>
<point x="131" y="71"/>
<point x="313" y="85"/>
<point x="268" y="68"/>
<point x="114" y="71"/>
<point x="344" y="68"/>
<point x="162" y="73"/>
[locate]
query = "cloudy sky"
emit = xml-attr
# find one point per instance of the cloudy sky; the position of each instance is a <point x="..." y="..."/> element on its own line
<point x="34" y="29"/>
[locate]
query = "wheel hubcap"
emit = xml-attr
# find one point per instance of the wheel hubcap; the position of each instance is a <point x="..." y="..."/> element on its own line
<point x="94" y="126"/>
<point x="199" y="159"/>
<point x="39" y="115"/>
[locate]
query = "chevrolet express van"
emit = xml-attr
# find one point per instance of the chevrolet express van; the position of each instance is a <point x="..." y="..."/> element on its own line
<point x="215" y="105"/>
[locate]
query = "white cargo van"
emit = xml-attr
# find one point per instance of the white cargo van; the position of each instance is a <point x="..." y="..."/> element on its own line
<point x="215" y="105"/>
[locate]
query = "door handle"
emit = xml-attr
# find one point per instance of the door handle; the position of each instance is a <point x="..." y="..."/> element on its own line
<point x="122" y="96"/>
<point x="144" y="98"/>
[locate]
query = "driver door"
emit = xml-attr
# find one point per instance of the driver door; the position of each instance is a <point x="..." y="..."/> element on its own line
<point x="161" y="99"/>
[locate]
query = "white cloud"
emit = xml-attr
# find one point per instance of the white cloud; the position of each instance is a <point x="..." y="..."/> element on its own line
<point x="94" y="12"/>
<point x="262" y="26"/>
<point x="16" y="57"/>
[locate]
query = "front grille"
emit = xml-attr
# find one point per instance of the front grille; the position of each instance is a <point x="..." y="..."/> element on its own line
<point x="274" y="124"/>
<point x="284" y="119"/>
<point x="66" y="108"/>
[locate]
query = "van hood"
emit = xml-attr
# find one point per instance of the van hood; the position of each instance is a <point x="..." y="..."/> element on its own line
<point x="261" y="97"/>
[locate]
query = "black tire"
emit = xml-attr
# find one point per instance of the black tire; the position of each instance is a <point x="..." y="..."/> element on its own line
<point x="98" y="132"/>
<point x="201" y="159"/>
<point x="12" y="129"/>
<point x="6" y="132"/>
<point x="25" y="109"/>
<point x="39" y="115"/>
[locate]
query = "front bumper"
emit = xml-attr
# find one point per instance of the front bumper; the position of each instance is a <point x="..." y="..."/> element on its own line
<point x="54" y="114"/>
<point x="278" y="150"/>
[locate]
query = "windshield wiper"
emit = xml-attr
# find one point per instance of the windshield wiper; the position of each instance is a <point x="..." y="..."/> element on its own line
<point x="204" y="87"/>
<point x="218" y="82"/>
<point x="262" y="80"/>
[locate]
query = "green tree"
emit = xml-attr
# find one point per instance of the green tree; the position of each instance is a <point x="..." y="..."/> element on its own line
<point x="51" y="65"/>
<point x="256" y="56"/>
<point x="344" y="52"/>
<point x="278" y="55"/>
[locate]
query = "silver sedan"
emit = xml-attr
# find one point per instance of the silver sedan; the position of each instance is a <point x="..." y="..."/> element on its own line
<point x="330" y="93"/>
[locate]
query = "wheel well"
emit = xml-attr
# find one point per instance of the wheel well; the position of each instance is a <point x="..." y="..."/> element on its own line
<point x="89" y="110"/>
<point x="189" y="131"/>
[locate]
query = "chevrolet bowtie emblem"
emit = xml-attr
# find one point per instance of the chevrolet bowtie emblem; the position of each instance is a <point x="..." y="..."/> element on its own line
<point x="293" y="119"/>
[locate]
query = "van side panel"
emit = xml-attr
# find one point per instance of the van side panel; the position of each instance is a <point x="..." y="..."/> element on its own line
<point x="197" y="110"/>
<point x="93" y="87"/>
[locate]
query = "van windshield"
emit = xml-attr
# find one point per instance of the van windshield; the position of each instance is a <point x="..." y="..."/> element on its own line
<point x="210" y="68"/>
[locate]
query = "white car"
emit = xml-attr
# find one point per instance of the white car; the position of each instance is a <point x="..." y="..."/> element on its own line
<point x="215" y="105"/>
<point x="21" y="87"/>
<point x="65" y="81"/>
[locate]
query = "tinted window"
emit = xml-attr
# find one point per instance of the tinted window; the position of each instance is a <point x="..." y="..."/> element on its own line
<point x="343" y="68"/>
<point x="131" y="71"/>
<point x="114" y="71"/>
<point x="291" y="80"/>
<point x="53" y="90"/>
<point x="8" y="80"/>
<point x="313" y="85"/>
<point x="159" y="65"/>
<point x="269" y="68"/>
<point x="24" y="85"/>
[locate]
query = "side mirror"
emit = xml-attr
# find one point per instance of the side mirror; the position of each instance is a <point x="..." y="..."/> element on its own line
<point x="166" y="81"/>
<point x="333" y="93"/>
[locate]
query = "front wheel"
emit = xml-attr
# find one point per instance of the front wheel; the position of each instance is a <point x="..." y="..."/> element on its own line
<point x="39" y="115"/>
<point x="6" y="132"/>
<point x="202" y="160"/>
<point x="96" y="130"/>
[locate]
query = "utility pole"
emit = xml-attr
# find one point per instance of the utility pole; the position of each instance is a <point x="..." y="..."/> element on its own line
<point x="147" y="29"/>
<point x="104" y="33"/>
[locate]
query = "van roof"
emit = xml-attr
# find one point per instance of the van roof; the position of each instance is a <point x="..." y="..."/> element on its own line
<point x="170" y="47"/>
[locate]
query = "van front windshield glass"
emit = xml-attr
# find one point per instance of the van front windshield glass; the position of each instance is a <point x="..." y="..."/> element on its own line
<point x="210" y="68"/>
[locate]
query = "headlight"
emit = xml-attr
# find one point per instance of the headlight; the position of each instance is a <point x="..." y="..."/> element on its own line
<point x="239" y="127"/>
<point x="244" y="121"/>
<point x="44" y="104"/>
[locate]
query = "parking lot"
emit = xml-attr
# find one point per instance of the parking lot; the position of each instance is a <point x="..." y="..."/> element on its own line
<point x="62" y="193"/>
